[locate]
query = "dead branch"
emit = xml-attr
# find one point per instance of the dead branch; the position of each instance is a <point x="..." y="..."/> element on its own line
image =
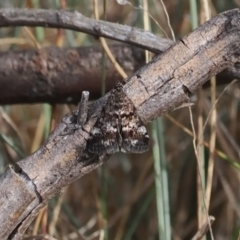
<point x="76" y="21"/>
<point x="158" y="87"/>
<point x="59" y="75"/>
<point x="55" y="75"/>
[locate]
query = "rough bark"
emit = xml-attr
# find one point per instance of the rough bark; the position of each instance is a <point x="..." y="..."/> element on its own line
<point x="55" y="75"/>
<point x="76" y="21"/>
<point x="155" y="89"/>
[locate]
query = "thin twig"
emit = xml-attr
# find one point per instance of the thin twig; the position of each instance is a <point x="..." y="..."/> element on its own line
<point x="83" y="108"/>
<point x="76" y="21"/>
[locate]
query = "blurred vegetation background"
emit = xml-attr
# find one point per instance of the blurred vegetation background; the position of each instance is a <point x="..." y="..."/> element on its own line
<point x="156" y="195"/>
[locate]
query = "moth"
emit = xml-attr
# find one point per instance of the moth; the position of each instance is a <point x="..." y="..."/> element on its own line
<point x="119" y="127"/>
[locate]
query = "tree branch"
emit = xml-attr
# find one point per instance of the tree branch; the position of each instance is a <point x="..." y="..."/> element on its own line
<point x="76" y="21"/>
<point x="55" y="75"/>
<point x="159" y="87"/>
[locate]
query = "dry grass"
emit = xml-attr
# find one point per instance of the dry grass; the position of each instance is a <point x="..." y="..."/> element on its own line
<point x="118" y="201"/>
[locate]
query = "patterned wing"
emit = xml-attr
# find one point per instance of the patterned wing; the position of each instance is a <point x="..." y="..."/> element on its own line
<point x="119" y="128"/>
<point x="104" y="136"/>
<point x="103" y="139"/>
<point x="134" y="135"/>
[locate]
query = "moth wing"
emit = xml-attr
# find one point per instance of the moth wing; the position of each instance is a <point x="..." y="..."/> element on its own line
<point x="110" y="139"/>
<point x="134" y="137"/>
<point x="103" y="139"/>
<point x="119" y="128"/>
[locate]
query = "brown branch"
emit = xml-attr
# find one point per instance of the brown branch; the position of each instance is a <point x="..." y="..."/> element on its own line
<point x="60" y="75"/>
<point x="56" y="75"/>
<point x="76" y="21"/>
<point x="162" y="85"/>
<point x="155" y="89"/>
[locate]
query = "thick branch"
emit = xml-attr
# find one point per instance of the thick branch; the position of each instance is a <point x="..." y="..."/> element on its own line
<point x="164" y="83"/>
<point x="157" y="88"/>
<point x="56" y="75"/>
<point x="60" y="75"/>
